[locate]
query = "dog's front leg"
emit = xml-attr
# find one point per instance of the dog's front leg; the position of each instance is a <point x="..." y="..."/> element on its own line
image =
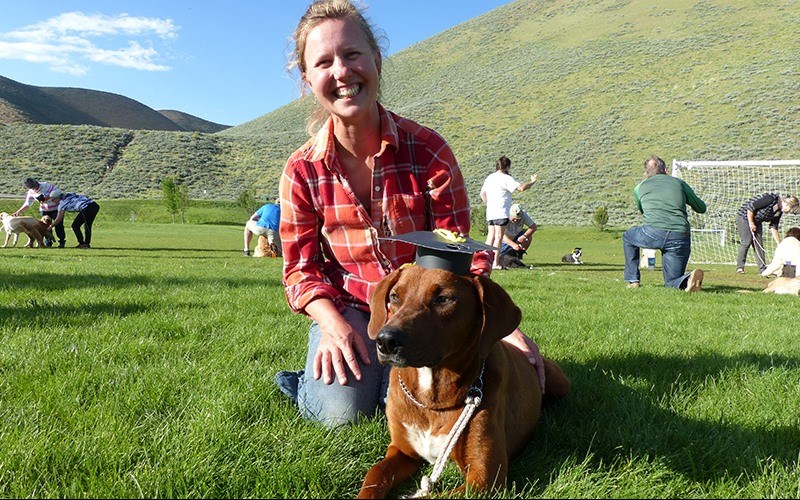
<point x="395" y="468"/>
<point x="485" y="468"/>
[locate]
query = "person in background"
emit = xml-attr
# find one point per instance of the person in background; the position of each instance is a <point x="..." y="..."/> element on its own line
<point x="496" y="193"/>
<point x="662" y="200"/>
<point x="768" y="207"/>
<point x="87" y="211"/>
<point x="46" y="194"/>
<point x="787" y="251"/>
<point x="519" y="232"/>
<point x="264" y="222"/>
<point x="366" y="174"/>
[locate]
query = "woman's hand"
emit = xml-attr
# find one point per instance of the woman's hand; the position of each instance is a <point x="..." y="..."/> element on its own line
<point x="340" y="344"/>
<point x="528" y="347"/>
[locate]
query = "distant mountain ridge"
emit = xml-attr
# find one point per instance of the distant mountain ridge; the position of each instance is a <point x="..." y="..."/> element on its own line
<point x="22" y="103"/>
<point x="578" y="92"/>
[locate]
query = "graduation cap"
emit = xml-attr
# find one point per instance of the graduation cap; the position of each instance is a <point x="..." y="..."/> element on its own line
<point x="442" y="249"/>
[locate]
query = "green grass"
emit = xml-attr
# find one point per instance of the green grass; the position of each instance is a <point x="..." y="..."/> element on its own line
<point x="143" y="368"/>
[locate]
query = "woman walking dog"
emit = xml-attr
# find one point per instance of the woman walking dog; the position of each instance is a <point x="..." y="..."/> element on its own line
<point x="767" y="207"/>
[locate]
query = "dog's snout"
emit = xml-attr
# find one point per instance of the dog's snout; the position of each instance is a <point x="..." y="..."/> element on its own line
<point x="389" y="341"/>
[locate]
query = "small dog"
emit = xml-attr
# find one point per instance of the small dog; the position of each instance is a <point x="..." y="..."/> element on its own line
<point x="513" y="260"/>
<point x="784" y="286"/>
<point x="574" y="257"/>
<point x="441" y="333"/>
<point x="36" y="230"/>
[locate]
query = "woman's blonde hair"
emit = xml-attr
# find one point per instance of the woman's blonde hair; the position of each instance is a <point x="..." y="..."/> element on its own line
<point x="317" y="12"/>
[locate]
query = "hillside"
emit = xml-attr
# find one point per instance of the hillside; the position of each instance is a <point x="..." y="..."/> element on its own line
<point x="21" y="103"/>
<point x="192" y="123"/>
<point x="580" y="93"/>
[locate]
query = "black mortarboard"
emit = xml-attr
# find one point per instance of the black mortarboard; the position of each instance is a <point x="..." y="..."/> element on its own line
<point x="442" y="249"/>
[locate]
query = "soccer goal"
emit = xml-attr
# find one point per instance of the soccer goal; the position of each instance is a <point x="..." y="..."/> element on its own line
<point x="724" y="186"/>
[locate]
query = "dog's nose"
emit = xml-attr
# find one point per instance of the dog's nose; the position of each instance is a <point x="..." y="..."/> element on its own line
<point x="388" y="341"/>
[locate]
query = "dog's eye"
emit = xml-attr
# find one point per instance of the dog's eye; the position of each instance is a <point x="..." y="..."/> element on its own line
<point x="444" y="299"/>
<point x="394" y="298"/>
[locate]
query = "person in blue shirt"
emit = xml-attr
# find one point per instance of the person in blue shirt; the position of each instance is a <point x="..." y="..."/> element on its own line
<point x="87" y="210"/>
<point x="264" y="222"/>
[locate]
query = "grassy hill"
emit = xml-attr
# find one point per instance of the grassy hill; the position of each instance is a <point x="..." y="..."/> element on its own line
<point x="578" y="92"/>
<point x="192" y="123"/>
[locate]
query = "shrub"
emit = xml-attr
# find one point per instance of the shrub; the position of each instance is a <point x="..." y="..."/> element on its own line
<point x="600" y="218"/>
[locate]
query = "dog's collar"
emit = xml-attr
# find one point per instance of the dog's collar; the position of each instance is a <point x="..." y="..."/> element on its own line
<point x="474" y="394"/>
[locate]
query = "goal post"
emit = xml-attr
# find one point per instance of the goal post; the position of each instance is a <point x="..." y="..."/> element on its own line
<point x="724" y="186"/>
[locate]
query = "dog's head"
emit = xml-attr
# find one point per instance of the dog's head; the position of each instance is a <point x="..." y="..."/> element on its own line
<point x="428" y="317"/>
<point x="577" y="252"/>
<point x="4" y="216"/>
<point x="46" y="219"/>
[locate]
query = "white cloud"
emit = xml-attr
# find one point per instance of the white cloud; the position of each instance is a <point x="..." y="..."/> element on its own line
<point x="65" y="42"/>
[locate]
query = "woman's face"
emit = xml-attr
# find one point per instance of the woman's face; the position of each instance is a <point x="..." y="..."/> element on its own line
<point x="341" y="69"/>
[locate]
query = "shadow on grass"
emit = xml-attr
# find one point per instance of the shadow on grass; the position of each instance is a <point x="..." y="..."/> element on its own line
<point x="53" y="281"/>
<point x="608" y="422"/>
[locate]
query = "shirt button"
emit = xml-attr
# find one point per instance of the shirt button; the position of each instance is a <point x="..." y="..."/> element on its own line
<point x="377" y="188"/>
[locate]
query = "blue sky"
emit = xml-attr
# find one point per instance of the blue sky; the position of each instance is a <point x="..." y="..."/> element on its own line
<point x="222" y="61"/>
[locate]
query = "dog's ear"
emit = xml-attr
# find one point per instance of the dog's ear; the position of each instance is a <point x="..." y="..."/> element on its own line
<point x="378" y="308"/>
<point x="500" y="315"/>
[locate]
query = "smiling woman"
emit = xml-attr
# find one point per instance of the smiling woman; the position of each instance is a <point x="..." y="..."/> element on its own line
<point x="366" y="174"/>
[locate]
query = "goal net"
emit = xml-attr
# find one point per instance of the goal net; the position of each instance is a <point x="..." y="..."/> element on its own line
<point x="724" y="186"/>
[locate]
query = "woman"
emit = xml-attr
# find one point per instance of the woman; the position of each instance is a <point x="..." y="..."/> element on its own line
<point x="47" y="195"/>
<point x="367" y="173"/>
<point x="496" y="193"/>
<point x="768" y="207"/>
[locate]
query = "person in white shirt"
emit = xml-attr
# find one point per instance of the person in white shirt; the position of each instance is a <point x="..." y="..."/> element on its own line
<point x="47" y="195"/>
<point x="496" y="193"/>
<point x="788" y="250"/>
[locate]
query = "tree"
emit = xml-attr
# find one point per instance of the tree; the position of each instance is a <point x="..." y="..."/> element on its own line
<point x="171" y="196"/>
<point x="183" y="201"/>
<point x="176" y="198"/>
<point x="247" y="201"/>
<point x="601" y="218"/>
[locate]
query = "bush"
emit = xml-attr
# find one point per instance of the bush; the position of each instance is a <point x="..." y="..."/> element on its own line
<point x="600" y="218"/>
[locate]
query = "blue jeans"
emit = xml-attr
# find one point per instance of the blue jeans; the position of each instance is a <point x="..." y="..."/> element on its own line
<point x="675" y="246"/>
<point x="336" y="404"/>
<point x="505" y="247"/>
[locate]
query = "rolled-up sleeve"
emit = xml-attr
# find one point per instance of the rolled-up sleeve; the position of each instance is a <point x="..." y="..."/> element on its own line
<point x="303" y="276"/>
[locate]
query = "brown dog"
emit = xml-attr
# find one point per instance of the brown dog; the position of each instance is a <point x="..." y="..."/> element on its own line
<point x="35" y="229"/>
<point x="441" y="333"/>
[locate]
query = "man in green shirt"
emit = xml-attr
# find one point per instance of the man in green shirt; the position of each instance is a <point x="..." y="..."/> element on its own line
<point x="662" y="200"/>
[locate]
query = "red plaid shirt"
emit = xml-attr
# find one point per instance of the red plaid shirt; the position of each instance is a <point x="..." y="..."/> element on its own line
<point x="330" y="243"/>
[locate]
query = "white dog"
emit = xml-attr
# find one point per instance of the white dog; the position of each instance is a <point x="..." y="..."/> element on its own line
<point x="784" y="286"/>
<point x="36" y="230"/>
<point x="788" y="250"/>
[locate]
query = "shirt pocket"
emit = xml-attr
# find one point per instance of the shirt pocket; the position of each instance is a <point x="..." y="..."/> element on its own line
<point x="404" y="213"/>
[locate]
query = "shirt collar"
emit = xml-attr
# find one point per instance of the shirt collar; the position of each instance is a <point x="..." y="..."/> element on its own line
<point x="324" y="148"/>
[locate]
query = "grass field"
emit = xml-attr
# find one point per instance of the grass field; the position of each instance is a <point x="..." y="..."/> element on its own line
<point x="143" y="368"/>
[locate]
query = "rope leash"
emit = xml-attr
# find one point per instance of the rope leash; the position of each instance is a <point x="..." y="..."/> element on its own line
<point x="472" y="401"/>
